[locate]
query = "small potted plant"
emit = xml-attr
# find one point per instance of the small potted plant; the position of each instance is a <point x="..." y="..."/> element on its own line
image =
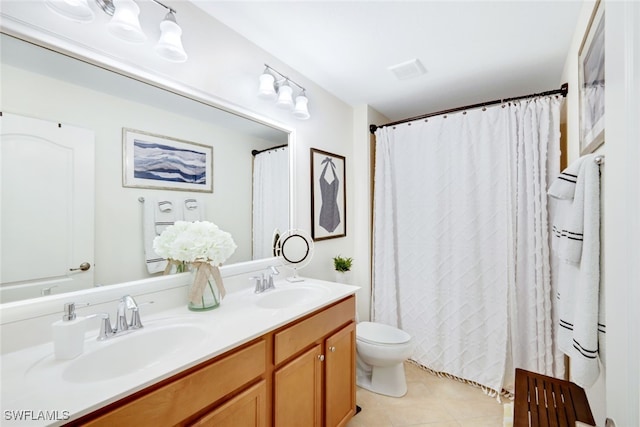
<point x="342" y="267"/>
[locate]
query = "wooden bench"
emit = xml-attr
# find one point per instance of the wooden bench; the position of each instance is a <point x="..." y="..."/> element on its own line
<point x="542" y="401"/>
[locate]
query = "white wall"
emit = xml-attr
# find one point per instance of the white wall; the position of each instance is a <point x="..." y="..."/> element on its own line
<point x="615" y="394"/>
<point x="622" y="211"/>
<point x="363" y="116"/>
<point x="224" y="66"/>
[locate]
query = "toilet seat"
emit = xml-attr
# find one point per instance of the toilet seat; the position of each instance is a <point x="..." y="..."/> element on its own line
<point x="380" y="334"/>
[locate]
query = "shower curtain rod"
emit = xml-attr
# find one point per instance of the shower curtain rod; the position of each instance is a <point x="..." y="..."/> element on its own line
<point x="564" y="89"/>
<point x="256" y="152"/>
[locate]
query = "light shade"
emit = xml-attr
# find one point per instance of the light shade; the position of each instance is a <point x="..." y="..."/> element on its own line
<point x="169" y="45"/>
<point x="125" y="24"/>
<point x="301" y="111"/>
<point x="76" y="10"/>
<point x="267" y="89"/>
<point x="285" y="96"/>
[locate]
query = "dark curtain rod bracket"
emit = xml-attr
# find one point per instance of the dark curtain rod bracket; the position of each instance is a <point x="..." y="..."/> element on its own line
<point x="256" y="152"/>
<point x="564" y="89"/>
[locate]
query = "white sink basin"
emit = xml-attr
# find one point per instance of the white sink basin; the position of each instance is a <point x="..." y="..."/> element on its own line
<point x="138" y="350"/>
<point x="292" y="296"/>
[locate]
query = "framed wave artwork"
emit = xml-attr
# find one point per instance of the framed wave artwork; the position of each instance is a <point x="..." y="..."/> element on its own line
<point x="164" y="163"/>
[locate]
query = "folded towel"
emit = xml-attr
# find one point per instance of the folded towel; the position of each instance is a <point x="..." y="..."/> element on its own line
<point x="568" y="226"/>
<point x="193" y="210"/>
<point x="157" y="216"/>
<point x="581" y="314"/>
<point x="563" y="187"/>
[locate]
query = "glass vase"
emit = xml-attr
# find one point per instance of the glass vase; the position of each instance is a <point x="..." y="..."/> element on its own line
<point x="204" y="293"/>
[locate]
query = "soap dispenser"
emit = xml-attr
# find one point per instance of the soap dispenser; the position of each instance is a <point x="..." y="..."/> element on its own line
<point x="68" y="334"/>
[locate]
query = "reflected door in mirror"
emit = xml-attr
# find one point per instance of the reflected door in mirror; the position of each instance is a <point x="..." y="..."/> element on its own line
<point x="47" y="207"/>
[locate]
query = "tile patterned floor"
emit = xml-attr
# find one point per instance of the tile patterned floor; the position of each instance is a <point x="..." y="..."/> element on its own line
<point x="430" y="402"/>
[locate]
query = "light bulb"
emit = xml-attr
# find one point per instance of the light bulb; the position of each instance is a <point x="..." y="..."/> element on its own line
<point x="267" y="89"/>
<point x="76" y="10"/>
<point x="285" y="97"/>
<point x="169" y="45"/>
<point x="301" y="110"/>
<point x="125" y="24"/>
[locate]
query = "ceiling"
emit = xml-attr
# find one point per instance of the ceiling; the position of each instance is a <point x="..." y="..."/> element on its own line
<point x="473" y="51"/>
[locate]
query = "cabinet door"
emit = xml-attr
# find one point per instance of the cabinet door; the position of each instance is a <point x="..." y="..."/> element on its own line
<point x="298" y="391"/>
<point x="248" y="409"/>
<point x="340" y="376"/>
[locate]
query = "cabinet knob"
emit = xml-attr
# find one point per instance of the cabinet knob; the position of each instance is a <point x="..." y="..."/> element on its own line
<point x="321" y="357"/>
<point x="332" y="349"/>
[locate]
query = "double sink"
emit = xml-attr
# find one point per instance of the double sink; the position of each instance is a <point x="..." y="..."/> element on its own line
<point x="171" y="339"/>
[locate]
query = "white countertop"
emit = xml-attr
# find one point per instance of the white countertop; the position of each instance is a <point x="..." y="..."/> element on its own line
<point x="36" y="389"/>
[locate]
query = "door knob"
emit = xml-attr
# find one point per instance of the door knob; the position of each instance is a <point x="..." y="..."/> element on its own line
<point x="332" y="349"/>
<point x="321" y="357"/>
<point x="84" y="267"/>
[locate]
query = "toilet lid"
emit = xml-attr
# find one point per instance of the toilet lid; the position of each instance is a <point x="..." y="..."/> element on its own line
<point x="380" y="333"/>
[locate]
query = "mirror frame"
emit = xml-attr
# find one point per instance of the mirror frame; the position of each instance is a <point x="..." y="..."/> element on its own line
<point x="34" y="35"/>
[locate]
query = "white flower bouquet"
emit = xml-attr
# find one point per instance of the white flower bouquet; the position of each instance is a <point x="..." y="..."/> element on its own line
<point x="204" y="246"/>
<point x="199" y="241"/>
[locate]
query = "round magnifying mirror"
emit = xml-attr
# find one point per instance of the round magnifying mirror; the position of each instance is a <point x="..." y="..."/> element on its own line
<point x="295" y="249"/>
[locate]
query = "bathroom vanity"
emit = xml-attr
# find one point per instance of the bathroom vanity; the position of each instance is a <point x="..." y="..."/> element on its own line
<point x="298" y="375"/>
<point x="282" y="358"/>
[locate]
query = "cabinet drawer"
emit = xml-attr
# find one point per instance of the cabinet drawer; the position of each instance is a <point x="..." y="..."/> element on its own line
<point x="172" y="403"/>
<point x="304" y="333"/>
<point x="248" y="409"/>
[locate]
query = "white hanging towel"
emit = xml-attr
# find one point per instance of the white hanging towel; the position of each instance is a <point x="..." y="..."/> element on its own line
<point x="576" y="242"/>
<point x="157" y="216"/>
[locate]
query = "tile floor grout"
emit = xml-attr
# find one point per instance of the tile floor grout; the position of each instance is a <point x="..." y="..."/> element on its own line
<point x="430" y="402"/>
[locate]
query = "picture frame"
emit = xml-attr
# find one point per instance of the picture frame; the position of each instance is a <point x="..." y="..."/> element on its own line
<point x="591" y="81"/>
<point x="328" y="195"/>
<point x="165" y="163"/>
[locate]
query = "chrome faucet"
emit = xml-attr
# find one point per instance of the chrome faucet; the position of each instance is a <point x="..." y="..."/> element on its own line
<point x="265" y="283"/>
<point x="121" y="325"/>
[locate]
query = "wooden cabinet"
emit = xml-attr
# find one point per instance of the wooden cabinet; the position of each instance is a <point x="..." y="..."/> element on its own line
<point x="298" y="391"/>
<point x="176" y="401"/>
<point x="302" y="374"/>
<point x="340" y="376"/>
<point x="248" y="409"/>
<point x="315" y="384"/>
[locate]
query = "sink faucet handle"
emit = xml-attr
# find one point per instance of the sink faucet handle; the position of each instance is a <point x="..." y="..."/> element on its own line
<point x="135" y="322"/>
<point x="105" y="326"/>
<point x="259" y="283"/>
<point x="126" y="303"/>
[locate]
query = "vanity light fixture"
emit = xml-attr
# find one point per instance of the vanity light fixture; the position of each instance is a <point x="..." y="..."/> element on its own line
<point x="276" y="86"/>
<point x="76" y="10"/>
<point x="125" y="23"/>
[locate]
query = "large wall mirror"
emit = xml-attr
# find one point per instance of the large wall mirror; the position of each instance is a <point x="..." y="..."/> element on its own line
<point x="46" y="85"/>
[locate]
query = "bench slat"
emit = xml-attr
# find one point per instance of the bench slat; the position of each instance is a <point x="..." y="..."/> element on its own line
<point x="543" y="401"/>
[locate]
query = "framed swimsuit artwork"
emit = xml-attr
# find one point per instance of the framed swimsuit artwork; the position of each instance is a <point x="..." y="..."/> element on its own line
<point x="328" y="195"/>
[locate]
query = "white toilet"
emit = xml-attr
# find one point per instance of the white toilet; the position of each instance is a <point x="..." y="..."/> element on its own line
<point x="381" y="350"/>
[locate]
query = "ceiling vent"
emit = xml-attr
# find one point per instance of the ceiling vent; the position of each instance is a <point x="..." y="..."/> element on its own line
<point x="408" y="70"/>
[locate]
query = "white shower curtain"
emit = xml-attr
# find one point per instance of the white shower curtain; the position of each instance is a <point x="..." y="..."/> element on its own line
<point x="453" y="259"/>
<point x="270" y="199"/>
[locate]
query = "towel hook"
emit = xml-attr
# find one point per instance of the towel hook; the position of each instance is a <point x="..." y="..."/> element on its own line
<point x="599" y="159"/>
